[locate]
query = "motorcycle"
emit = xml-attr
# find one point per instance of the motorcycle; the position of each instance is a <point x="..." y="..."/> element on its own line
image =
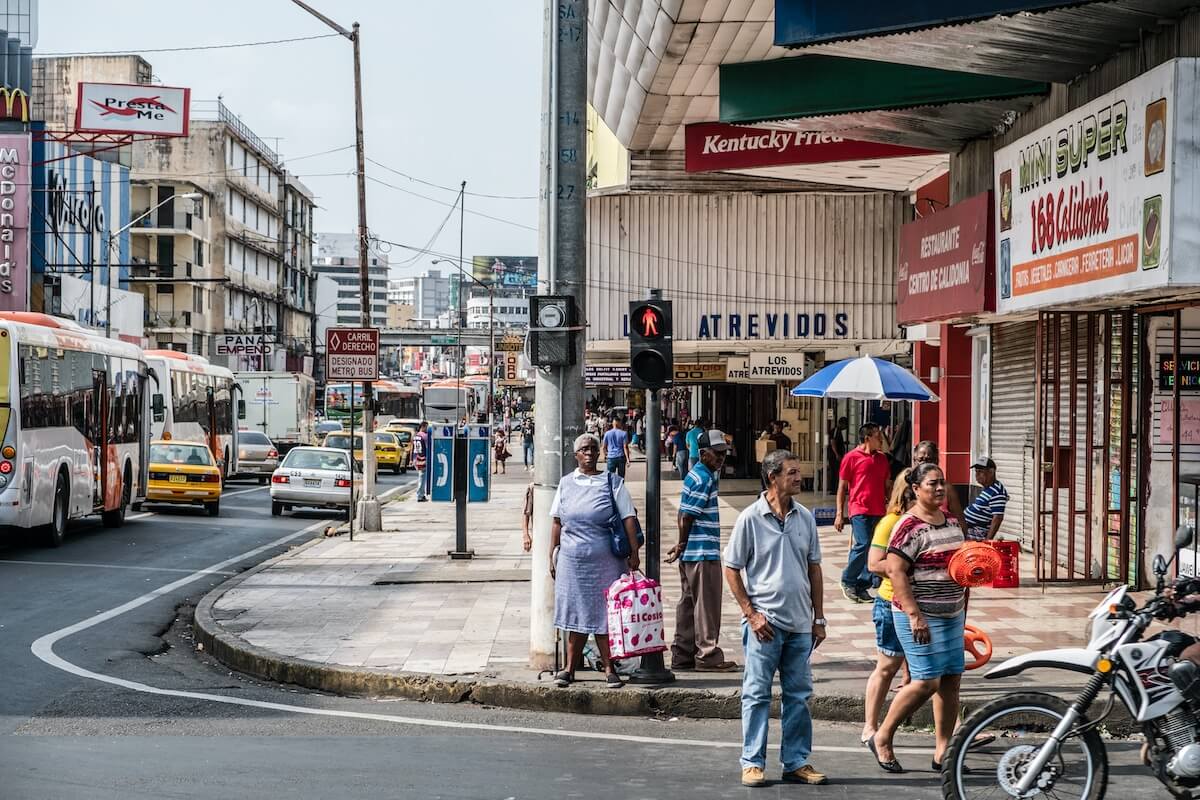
<point x="1047" y="747"/>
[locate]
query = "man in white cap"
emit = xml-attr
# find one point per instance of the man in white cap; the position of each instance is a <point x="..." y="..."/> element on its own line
<point x="701" y="578"/>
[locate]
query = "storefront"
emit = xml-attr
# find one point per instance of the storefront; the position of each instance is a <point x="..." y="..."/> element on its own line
<point x="1097" y="328"/>
<point x="785" y="281"/>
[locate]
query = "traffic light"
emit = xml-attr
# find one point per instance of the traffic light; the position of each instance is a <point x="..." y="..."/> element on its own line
<point x="651" y="349"/>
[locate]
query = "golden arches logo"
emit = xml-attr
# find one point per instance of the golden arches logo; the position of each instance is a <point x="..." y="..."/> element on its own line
<point x="9" y="98"/>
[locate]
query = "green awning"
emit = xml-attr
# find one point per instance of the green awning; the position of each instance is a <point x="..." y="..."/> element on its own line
<point x="820" y="85"/>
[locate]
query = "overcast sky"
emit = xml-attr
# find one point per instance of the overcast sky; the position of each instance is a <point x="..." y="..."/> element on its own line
<point x="451" y="94"/>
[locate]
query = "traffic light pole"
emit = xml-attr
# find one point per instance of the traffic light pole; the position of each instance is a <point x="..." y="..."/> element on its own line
<point x="653" y="669"/>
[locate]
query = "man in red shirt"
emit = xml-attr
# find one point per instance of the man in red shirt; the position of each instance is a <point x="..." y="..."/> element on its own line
<point x="864" y="475"/>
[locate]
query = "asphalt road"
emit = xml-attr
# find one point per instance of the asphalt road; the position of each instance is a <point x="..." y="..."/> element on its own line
<point x="127" y="708"/>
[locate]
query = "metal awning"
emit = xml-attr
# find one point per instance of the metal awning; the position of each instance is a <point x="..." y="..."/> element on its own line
<point x="873" y="100"/>
<point x="1054" y="44"/>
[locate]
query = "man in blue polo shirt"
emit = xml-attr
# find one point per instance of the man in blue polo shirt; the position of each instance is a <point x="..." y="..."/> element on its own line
<point x="693" y="443"/>
<point x="698" y="613"/>
<point x="986" y="512"/>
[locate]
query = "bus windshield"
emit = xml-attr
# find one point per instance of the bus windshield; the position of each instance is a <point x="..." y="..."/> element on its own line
<point x="195" y="455"/>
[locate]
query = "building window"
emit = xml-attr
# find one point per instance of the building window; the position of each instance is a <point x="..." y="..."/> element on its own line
<point x="199" y="254"/>
<point x="197" y="300"/>
<point x="198" y="344"/>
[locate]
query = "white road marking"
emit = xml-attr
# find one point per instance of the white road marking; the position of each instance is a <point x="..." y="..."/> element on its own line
<point x="43" y="648"/>
<point x="105" y="566"/>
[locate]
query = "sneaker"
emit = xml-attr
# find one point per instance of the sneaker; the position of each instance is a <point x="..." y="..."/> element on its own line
<point x="563" y="679"/>
<point x="864" y="596"/>
<point x="422" y="499"/>
<point x="805" y="774"/>
<point x="851" y="594"/>
<point x="724" y="666"/>
<point x="613" y="681"/>
<point x="753" y="776"/>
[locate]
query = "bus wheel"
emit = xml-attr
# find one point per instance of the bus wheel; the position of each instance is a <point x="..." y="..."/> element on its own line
<point x="57" y="530"/>
<point x="116" y="517"/>
<point x="213" y="508"/>
<point x="135" y="507"/>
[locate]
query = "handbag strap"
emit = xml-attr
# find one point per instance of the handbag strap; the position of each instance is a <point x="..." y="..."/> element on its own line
<point x="612" y="499"/>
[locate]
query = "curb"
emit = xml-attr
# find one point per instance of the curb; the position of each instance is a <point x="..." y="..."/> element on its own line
<point x="238" y="654"/>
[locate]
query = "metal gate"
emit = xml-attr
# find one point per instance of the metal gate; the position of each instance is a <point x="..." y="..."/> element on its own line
<point x="1011" y="428"/>
<point x="1085" y="506"/>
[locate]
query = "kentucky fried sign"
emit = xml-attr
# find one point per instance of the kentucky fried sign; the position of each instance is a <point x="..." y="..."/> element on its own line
<point x="149" y="110"/>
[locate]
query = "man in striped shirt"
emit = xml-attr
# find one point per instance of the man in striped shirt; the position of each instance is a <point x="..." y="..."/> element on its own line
<point x="698" y="613"/>
<point x="986" y="512"/>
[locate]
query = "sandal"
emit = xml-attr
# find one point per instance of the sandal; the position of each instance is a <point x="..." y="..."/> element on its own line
<point x="613" y="680"/>
<point x="982" y="740"/>
<point x="892" y="766"/>
<point x="563" y="679"/>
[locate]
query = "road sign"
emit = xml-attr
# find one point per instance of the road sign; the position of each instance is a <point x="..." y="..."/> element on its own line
<point x="352" y="354"/>
<point x="479" y="441"/>
<point x="442" y="462"/>
<point x="443" y="339"/>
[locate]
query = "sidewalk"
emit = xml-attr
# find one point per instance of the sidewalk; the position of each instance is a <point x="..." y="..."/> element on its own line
<point x="389" y="614"/>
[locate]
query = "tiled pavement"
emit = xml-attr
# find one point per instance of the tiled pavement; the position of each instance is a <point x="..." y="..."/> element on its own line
<point x="432" y="615"/>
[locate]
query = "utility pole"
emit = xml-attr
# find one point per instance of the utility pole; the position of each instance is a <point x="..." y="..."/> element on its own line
<point x="370" y="518"/>
<point x="461" y="468"/>
<point x="561" y="270"/>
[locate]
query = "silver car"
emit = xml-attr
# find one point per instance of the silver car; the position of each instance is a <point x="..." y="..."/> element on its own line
<point x="316" y="477"/>
<point x="257" y="455"/>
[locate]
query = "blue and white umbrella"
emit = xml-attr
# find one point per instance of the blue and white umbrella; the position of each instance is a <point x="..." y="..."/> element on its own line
<point x="864" y="378"/>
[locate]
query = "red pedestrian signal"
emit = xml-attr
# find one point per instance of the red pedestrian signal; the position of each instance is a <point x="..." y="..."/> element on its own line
<point x="651" y="356"/>
<point x="651" y="322"/>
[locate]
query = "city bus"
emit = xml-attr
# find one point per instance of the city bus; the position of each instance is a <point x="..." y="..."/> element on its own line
<point x="392" y="401"/>
<point x="74" y="410"/>
<point x="448" y="401"/>
<point x="198" y="402"/>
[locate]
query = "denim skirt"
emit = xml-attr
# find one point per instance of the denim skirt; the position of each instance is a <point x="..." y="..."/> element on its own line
<point x="943" y="655"/>
<point x="886" y="641"/>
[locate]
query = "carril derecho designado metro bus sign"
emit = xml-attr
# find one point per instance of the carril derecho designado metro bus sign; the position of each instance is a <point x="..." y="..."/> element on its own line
<point x="352" y="354"/>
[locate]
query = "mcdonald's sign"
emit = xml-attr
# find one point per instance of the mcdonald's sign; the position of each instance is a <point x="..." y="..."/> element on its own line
<point x="14" y="104"/>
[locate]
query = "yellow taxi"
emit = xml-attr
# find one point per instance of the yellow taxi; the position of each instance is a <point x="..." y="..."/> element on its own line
<point x="388" y="450"/>
<point x="184" y="472"/>
<point x="405" y="435"/>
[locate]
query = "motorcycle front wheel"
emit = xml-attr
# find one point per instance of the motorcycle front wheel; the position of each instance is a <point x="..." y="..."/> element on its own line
<point x="1021" y="723"/>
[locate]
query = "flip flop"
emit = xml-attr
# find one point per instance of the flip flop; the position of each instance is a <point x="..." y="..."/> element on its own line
<point x="982" y="740"/>
<point x="892" y="766"/>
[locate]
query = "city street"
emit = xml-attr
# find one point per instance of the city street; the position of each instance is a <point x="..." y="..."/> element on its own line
<point x="127" y="708"/>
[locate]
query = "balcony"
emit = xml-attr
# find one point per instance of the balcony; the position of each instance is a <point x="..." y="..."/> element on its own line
<point x="159" y="223"/>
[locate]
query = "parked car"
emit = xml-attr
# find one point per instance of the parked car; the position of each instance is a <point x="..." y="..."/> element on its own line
<point x="184" y="473"/>
<point x="315" y="477"/>
<point x="257" y="455"/>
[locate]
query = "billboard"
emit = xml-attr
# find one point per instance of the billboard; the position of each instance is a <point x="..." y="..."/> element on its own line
<point x="1085" y="205"/>
<point x="510" y="272"/>
<point x="132" y="108"/>
<point x="14" y="221"/>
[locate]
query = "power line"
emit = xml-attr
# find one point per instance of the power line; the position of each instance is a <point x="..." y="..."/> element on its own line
<point x="452" y="189"/>
<point x="450" y="205"/>
<point x="139" y="50"/>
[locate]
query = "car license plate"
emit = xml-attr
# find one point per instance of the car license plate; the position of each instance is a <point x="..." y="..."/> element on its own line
<point x="312" y="483"/>
<point x="178" y="479"/>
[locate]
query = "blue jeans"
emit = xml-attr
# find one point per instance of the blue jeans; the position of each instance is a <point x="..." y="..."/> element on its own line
<point x="528" y="454"/>
<point x="616" y="465"/>
<point x="856" y="575"/>
<point x="789" y="654"/>
<point x="681" y="463"/>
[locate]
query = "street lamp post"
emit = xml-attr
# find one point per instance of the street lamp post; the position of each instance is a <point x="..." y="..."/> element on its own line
<point x="369" y="508"/>
<point x="108" y="243"/>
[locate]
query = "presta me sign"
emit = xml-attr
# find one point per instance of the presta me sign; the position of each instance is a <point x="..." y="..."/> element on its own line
<point x="352" y="354"/>
<point x="132" y="108"/>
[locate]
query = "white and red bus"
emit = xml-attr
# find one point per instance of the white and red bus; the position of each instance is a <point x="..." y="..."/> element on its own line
<point x="74" y="411"/>
<point x="197" y="402"/>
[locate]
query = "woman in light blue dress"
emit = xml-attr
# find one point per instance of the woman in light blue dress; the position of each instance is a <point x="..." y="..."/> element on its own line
<point x="584" y="567"/>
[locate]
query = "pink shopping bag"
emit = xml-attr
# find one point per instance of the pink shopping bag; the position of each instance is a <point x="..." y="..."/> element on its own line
<point x="635" y="616"/>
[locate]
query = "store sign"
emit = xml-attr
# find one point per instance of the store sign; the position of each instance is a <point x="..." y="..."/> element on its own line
<point x="772" y="367"/>
<point x="945" y="268"/>
<point x="1189" y="420"/>
<point x="14" y="221"/>
<point x="241" y="344"/>
<point x="737" y="369"/>
<point x="511" y="342"/>
<point x="705" y="372"/>
<point x="14" y="104"/>
<point x="1085" y="205"/>
<point x="508" y="365"/>
<point x="711" y="146"/>
<point x="606" y="374"/>
<point x="1189" y="372"/>
<point x="771" y="325"/>
<point x="132" y="108"/>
